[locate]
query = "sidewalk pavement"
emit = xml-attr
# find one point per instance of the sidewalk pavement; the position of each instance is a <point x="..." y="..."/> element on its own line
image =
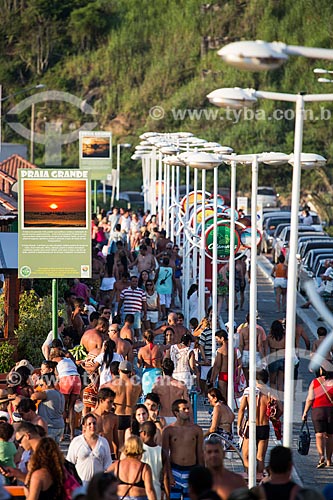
<point x="305" y="466"/>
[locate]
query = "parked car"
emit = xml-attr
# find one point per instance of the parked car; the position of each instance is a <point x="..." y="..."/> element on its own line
<point x="270" y="223"/>
<point x="312" y="255"/>
<point x="282" y="243"/>
<point x="305" y="246"/>
<point x="313" y="272"/>
<point x="133" y="199"/>
<point x="316" y="222"/>
<point x="276" y="235"/>
<point x="266" y="196"/>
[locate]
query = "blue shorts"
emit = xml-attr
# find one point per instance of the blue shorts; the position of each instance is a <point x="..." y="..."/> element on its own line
<point x="180" y="475"/>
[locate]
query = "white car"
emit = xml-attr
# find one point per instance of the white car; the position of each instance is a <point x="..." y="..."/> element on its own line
<point x="266" y="196"/>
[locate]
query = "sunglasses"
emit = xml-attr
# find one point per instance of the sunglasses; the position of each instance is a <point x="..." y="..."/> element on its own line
<point x="19" y="441"/>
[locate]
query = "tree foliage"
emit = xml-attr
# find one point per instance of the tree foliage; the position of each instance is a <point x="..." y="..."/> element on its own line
<point x="126" y="57"/>
<point x="35" y="315"/>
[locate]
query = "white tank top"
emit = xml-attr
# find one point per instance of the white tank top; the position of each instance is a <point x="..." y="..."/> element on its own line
<point x="152" y="301"/>
<point x="66" y="367"/>
<point x="153" y="457"/>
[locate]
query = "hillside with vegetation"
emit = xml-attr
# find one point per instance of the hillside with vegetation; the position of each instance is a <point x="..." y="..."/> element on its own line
<point x="124" y="57"/>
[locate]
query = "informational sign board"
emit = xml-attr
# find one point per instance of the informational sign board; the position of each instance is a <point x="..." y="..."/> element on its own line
<point x="96" y="153"/>
<point x="54" y="224"/>
<point x="242" y="204"/>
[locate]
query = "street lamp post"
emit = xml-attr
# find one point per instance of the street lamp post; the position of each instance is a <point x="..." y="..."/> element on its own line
<point x="2" y="99"/>
<point x="299" y="100"/>
<point x="119" y="146"/>
<point x="325" y="80"/>
<point x="262" y="56"/>
<point x="202" y="161"/>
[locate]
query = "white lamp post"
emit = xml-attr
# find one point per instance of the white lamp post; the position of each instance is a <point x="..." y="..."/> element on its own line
<point x="203" y="161"/>
<point x="119" y="146"/>
<point x="262" y="56"/>
<point x="2" y="99"/>
<point x="253" y="160"/>
<point x="321" y="71"/>
<point x="324" y="80"/>
<point x="292" y="264"/>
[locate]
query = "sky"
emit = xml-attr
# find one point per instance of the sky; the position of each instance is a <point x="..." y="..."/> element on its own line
<point x="54" y="195"/>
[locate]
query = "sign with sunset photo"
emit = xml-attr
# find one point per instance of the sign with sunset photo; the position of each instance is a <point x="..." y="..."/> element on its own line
<point x="96" y="153"/>
<point x="54" y="224"/>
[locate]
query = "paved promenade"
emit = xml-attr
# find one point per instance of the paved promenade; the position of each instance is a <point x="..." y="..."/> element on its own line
<point x="305" y="472"/>
<point x="305" y="466"/>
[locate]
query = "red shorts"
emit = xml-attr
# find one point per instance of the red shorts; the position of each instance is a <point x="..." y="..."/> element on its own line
<point x="223" y="376"/>
<point x="70" y="384"/>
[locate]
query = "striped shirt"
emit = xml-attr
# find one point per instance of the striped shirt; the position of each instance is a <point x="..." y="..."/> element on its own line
<point x="133" y="300"/>
<point x="206" y="341"/>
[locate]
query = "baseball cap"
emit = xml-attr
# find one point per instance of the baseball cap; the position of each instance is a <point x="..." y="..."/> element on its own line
<point x="125" y="366"/>
<point x="235" y="325"/>
<point x="4" y="415"/>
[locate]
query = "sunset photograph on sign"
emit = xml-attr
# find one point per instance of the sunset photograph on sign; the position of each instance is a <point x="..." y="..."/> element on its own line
<point x="95" y="147"/>
<point x="54" y="203"/>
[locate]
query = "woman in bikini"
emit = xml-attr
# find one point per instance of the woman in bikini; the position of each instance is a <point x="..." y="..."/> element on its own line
<point x="135" y="477"/>
<point x="280" y="274"/>
<point x="150" y="359"/>
<point x="222" y="416"/>
<point x="276" y="341"/>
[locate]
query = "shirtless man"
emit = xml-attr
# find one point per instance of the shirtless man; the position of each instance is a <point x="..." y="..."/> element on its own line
<point x="161" y="241"/>
<point x="127" y="390"/>
<point x="244" y="345"/>
<point x="124" y="348"/>
<point x="183" y="440"/>
<point x="118" y="287"/>
<point x="220" y="368"/>
<point x="262" y="420"/>
<point x="94" y="338"/>
<point x="107" y="421"/>
<point x="168" y="252"/>
<point x="169" y="390"/>
<point x="27" y="410"/>
<point x="224" y="480"/>
<point x="145" y="261"/>
<point x="127" y="331"/>
<point x="179" y="330"/>
<point x="76" y="318"/>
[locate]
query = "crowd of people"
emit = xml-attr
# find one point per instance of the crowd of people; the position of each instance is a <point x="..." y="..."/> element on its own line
<point x="116" y="386"/>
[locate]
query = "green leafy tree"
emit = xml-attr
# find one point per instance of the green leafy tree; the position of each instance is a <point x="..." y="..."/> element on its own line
<point x="35" y="321"/>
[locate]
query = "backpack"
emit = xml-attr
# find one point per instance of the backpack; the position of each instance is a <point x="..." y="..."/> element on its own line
<point x="72" y="479"/>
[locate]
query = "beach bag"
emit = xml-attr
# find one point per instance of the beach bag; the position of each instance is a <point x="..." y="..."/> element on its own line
<point x="274" y="413"/>
<point x="304" y="439"/>
<point x="70" y="484"/>
<point x="89" y="398"/>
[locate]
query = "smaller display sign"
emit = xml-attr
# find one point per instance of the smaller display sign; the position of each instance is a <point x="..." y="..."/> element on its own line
<point x="96" y="153"/>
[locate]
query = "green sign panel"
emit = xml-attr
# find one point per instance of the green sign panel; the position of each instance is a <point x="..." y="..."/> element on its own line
<point x="223" y="240"/>
<point x="96" y="153"/>
<point x="54" y="224"/>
